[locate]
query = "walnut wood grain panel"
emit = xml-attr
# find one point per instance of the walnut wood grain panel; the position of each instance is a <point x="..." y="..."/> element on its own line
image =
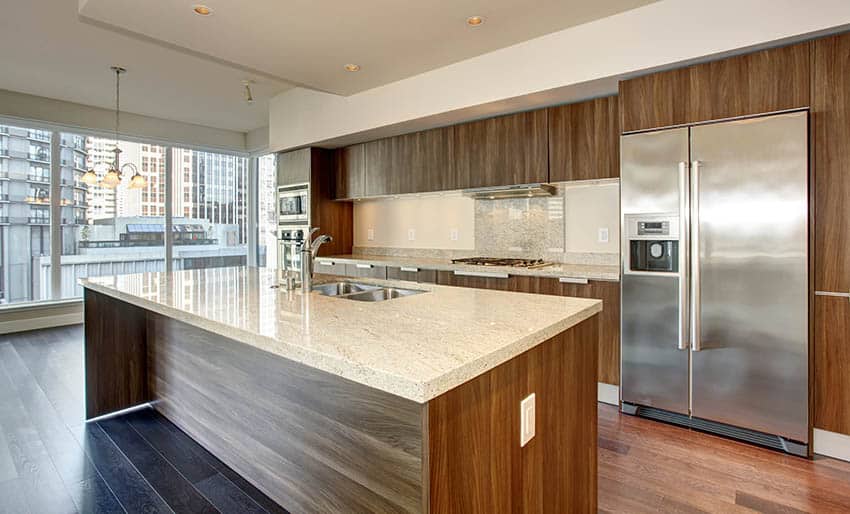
<point x="832" y="364"/>
<point x="831" y="127"/>
<point x="769" y="80"/>
<point x="505" y="150"/>
<point x="350" y="168"/>
<point x="115" y="355"/>
<point x="332" y="217"/>
<point x="477" y="463"/>
<point x="655" y="100"/>
<point x="584" y="140"/>
<point x="411" y="163"/>
<point x="311" y="441"/>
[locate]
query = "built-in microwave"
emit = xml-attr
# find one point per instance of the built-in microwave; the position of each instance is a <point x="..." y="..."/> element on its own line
<point x="293" y="203"/>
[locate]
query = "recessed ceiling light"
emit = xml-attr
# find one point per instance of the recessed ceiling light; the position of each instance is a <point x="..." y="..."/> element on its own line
<point x="474" y="21"/>
<point x="203" y="10"/>
<point x="352" y="67"/>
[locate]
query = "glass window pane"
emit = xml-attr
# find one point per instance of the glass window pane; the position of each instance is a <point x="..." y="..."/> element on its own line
<point x="267" y="211"/>
<point x="99" y="228"/>
<point x="210" y="209"/>
<point x="24" y="214"/>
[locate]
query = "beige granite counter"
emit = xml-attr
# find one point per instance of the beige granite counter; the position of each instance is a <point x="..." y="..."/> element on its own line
<point x="417" y="347"/>
<point x="557" y="270"/>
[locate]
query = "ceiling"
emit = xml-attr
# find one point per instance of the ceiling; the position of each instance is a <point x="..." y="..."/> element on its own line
<point x="308" y="42"/>
<point x="48" y="51"/>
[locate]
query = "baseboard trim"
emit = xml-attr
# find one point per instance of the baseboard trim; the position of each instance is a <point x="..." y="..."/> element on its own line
<point x="831" y="444"/>
<point x="36" y="323"/>
<point x="608" y="393"/>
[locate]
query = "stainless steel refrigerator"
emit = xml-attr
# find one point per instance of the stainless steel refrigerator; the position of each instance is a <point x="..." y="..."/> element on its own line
<point x="715" y="237"/>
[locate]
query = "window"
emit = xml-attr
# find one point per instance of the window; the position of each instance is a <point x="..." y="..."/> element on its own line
<point x="24" y="214"/>
<point x="267" y="211"/>
<point x="214" y="197"/>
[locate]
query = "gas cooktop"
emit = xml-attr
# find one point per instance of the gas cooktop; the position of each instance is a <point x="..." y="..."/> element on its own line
<point x="496" y="261"/>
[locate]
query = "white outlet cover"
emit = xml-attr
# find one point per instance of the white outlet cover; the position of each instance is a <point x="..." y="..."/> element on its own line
<point x="453" y="234"/>
<point x="370" y="234"/>
<point x="527" y="420"/>
<point x="411" y="234"/>
<point x="603" y="235"/>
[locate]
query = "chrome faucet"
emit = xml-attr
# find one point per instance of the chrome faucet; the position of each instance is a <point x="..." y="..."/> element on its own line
<point x="308" y="253"/>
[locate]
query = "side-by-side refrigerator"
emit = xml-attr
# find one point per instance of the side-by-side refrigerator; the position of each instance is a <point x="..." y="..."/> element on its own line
<point x="715" y="278"/>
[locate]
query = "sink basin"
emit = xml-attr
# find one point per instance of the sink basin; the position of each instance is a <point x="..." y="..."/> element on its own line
<point x="342" y="288"/>
<point x="379" y="295"/>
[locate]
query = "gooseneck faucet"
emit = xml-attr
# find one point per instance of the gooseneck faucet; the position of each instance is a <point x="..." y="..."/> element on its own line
<point x="308" y="253"/>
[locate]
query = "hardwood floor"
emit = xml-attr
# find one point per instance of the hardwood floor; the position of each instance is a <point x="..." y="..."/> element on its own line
<point x="50" y="461"/>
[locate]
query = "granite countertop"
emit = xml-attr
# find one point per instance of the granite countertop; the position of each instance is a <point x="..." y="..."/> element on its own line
<point x="417" y="347"/>
<point x="558" y="270"/>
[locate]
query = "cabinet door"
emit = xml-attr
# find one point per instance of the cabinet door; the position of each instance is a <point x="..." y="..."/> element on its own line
<point x="382" y="175"/>
<point x="832" y="364"/>
<point x="411" y="163"/>
<point x="294" y="167"/>
<point x="448" y="278"/>
<point x="366" y="271"/>
<point x="500" y="151"/>
<point x="350" y="169"/>
<point x="656" y="100"/>
<point x="584" y="140"/>
<point x="831" y="127"/>
<point x="770" y="80"/>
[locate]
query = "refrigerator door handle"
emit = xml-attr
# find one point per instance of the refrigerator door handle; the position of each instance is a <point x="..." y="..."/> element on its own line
<point x="696" y="344"/>
<point x="684" y="221"/>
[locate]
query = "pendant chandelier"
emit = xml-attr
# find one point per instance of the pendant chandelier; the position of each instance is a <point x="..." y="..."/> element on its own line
<point x="113" y="173"/>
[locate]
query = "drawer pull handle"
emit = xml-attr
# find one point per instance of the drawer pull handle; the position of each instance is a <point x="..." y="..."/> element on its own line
<point x="409" y="270"/>
<point x="364" y="266"/>
<point x="326" y="263"/>
<point x="571" y="280"/>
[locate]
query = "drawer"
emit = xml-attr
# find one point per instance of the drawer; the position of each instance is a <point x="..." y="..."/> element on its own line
<point x="366" y="271"/>
<point x="330" y="268"/>
<point x="412" y="274"/>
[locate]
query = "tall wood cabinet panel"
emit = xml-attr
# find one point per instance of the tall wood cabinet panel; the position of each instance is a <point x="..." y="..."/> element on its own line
<point x="770" y="80"/>
<point x="502" y="151"/>
<point x="832" y="364"/>
<point x="831" y="127"/>
<point x="656" y="100"/>
<point x="584" y="140"/>
<point x="350" y="168"/>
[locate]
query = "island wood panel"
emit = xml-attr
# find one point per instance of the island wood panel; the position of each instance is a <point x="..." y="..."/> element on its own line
<point x="831" y="128"/>
<point x="476" y="462"/>
<point x="310" y="440"/>
<point x="505" y="150"/>
<point x="770" y="80"/>
<point x="584" y="140"/>
<point x="115" y="355"/>
<point x="655" y="100"/>
<point x="350" y="167"/>
<point x="832" y="364"/>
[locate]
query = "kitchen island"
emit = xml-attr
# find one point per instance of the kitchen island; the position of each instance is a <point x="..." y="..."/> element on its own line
<point x="333" y="405"/>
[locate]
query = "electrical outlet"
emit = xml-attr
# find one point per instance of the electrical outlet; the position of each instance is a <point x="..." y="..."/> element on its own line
<point x="370" y="234"/>
<point x="526" y="420"/>
<point x="411" y="234"/>
<point x="453" y="234"/>
<point x="603" y="235"/>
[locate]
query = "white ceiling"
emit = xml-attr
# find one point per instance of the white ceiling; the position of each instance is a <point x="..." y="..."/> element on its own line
<point x="308" y="42"/>
<point x="46" y="50"/>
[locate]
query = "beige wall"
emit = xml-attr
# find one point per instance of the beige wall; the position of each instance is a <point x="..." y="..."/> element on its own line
<point x="587" y="208"/>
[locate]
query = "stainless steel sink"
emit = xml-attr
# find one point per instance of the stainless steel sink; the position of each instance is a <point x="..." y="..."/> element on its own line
<point x="379" y="295"/>
<point x="342" y="288"/>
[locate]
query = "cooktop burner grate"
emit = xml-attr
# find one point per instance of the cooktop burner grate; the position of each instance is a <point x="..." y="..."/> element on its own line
<point x="496" y="261"/>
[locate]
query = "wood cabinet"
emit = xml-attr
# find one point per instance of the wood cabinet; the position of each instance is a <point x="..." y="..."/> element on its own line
<point x="427" y="276"/>
<point x="584" y="140"/>
<point x="366" y="271"/>
<point x="350" y="168"/>
<point x="831" y="133"/>
<point x="609" y="320"/>
<point x="502" y="151"/>
<point x="765" y="81"/>
<point x="410" y="163"/>
<point x="832" y="364"/>
<point x="294" y="167"/>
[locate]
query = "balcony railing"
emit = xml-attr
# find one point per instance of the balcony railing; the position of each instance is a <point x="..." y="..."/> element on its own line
<point x="38" y="156"/>
<point x="4" y="220"/>
<point x="130" y="244"/>
<point x="4" y="197"/>
<point x="38" y="220"/>
<point x="38" y="135"/>
<point x="36" y="177"/>
<point x="4" y="152"/>
<point x="80" y="221"/>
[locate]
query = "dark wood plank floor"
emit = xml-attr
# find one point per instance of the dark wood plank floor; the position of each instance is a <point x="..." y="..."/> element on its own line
<point x="51" y="461"/>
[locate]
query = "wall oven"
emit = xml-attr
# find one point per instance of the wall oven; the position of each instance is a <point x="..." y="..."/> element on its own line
<point x="293" y="203"/>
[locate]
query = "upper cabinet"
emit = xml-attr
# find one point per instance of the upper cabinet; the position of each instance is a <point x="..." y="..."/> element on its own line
<point x="770" y="80"/>
<point x="584" y="140"/>
<point x="294" y="167"/>
<point x="501" y="151"/>
<point x="410" y="163"/>
<point x="831" y="127"/>
<point x="350" y="171"/>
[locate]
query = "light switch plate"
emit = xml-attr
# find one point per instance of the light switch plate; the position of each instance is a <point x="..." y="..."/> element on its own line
<point x="527" y="422"/>
<point x="370" y="234"/>
<point x="411" y="234"/>
<point x="453" y="234"/>
<point x="603" y="235"/>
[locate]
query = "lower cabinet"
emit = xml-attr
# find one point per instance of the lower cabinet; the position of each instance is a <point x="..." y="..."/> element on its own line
<point x="608" y="370"/>
<point x="330" y="268"/>
<point x="411" y="274"/>
<point x="366" y="271"/>
<point x="832" y="364"/>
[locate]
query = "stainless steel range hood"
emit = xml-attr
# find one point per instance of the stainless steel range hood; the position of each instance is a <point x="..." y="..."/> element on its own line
<point x="517" y="191"/>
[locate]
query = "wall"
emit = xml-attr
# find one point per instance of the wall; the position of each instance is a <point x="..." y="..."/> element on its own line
<point x="573" y="64"/>
<point x="561" y="228"/>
